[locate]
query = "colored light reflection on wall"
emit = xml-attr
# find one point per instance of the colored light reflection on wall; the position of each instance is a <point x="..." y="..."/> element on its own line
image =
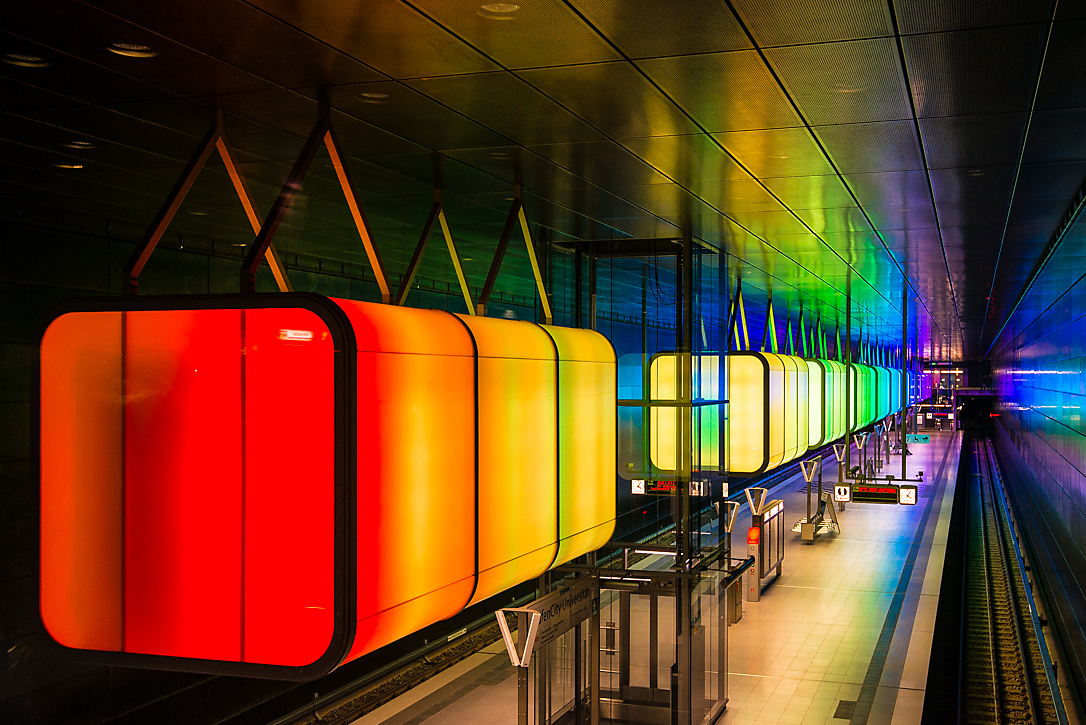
<point x="197" y="465"/>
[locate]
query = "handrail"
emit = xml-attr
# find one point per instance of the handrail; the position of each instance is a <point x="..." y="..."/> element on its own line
<point x="737" y="574"/>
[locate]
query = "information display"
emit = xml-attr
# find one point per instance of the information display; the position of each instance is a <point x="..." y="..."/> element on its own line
<point x="874" y="493"/>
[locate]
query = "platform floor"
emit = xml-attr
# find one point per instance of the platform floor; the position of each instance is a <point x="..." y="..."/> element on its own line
<point x="844" y="634"/>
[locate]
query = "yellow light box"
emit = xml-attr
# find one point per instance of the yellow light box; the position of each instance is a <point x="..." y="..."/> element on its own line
<point x="818" y="382"/>
<point x="663" y="419"/>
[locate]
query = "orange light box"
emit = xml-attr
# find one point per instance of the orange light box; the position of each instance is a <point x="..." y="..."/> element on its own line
<point x="272" y="485"/>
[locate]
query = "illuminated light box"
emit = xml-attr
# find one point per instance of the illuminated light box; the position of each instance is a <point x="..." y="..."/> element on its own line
<point x="663" y="376"/>
<point x="797" y="400"/>
<point x="763" y="393"/>
<point x="757" y="411"/>
<point x="271" y="485"/>
<point x="416" y="461"/>
<point x="835" y="410"/>
<point x="883" y="406"/>
<point x="861" y="404"/>
<point x="818" y="383"/>
<point x="586" y="426"/>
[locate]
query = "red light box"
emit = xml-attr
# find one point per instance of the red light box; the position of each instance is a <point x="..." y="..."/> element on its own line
<point x="272" y="485"/>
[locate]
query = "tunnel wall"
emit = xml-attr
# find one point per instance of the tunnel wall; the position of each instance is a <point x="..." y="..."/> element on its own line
<point x="1039" y="372"/>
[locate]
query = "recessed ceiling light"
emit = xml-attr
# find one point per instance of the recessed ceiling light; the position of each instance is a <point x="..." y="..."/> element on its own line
<point x="132" y="50"/>
<point x="498" y="11"/>
<point x="373" y="97"/>
<point x="502" y="154"/>
<point x="199" y="213"/>
<point x="81" y="145"/>
<point x="68" y="166"/>
<point x="26" y="61"/>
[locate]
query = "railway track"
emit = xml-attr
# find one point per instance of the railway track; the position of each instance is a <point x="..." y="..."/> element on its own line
<point x="1006" y="677"/>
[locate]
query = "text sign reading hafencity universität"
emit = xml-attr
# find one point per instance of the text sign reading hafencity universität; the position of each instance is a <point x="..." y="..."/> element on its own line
<point x="549" y="617"/>
<point x="560" y="611"/>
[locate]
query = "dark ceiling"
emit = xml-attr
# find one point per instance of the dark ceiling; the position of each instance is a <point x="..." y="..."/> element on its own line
<point x="819" y="142"/>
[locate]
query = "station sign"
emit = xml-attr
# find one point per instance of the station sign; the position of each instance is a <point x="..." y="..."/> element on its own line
<point x="549" y="617"/>
<point x="917" y="438"/>
<point x="842" y="494"/>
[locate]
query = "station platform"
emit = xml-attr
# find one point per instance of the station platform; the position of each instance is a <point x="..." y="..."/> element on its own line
<point x="844" y="634"/>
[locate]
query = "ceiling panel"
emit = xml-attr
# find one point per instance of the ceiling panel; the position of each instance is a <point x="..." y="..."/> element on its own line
<point x="243" y="36"/>
<point x="974" y="71"/>
<point x="1039" y="211"/>
<point x="986" y="183"/>
<point x="67" y="81"/>
<point x="1058" y="180"/>
<point x="777" y="152"/>
<point x="901" y="217"/>
<point x="930" y="16"/>
<point x="398" y="108"/>
<point x="388" y="35"/>
<point x="892" y="188"/>
<point x="973" y="141"/>
<point x="684" y="28"/>
<point x="601" y="162"/>
<point x="810" y="192"/>
<point x="859" y="148"/>
<point x="792" y="22"/>
<point x="613" y="97"/>
<point x="535" y="34"/>
<point x="1063" y="84"/>
<point x="1056" y="136"/>
<point x="849" y="82"/>
<point x="971" y="213"/>
<point x="737" y="195"/>
<point x="176" y="68"/>
<point x="687" y="159"/>
<point x="723" y="91"/>
<point x="509" y="106"/>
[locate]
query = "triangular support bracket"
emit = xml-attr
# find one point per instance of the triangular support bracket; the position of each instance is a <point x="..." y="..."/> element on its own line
<point x="516" y="214"/>
<point x="322" y="134"/>
<point x="728" y="516"/>
<point x="214" y="140"/>
<point x="757" y="499"/>
<point x="810" y="468"/>
<point x="527" y="618"/>
<point x="437" y="216"/>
